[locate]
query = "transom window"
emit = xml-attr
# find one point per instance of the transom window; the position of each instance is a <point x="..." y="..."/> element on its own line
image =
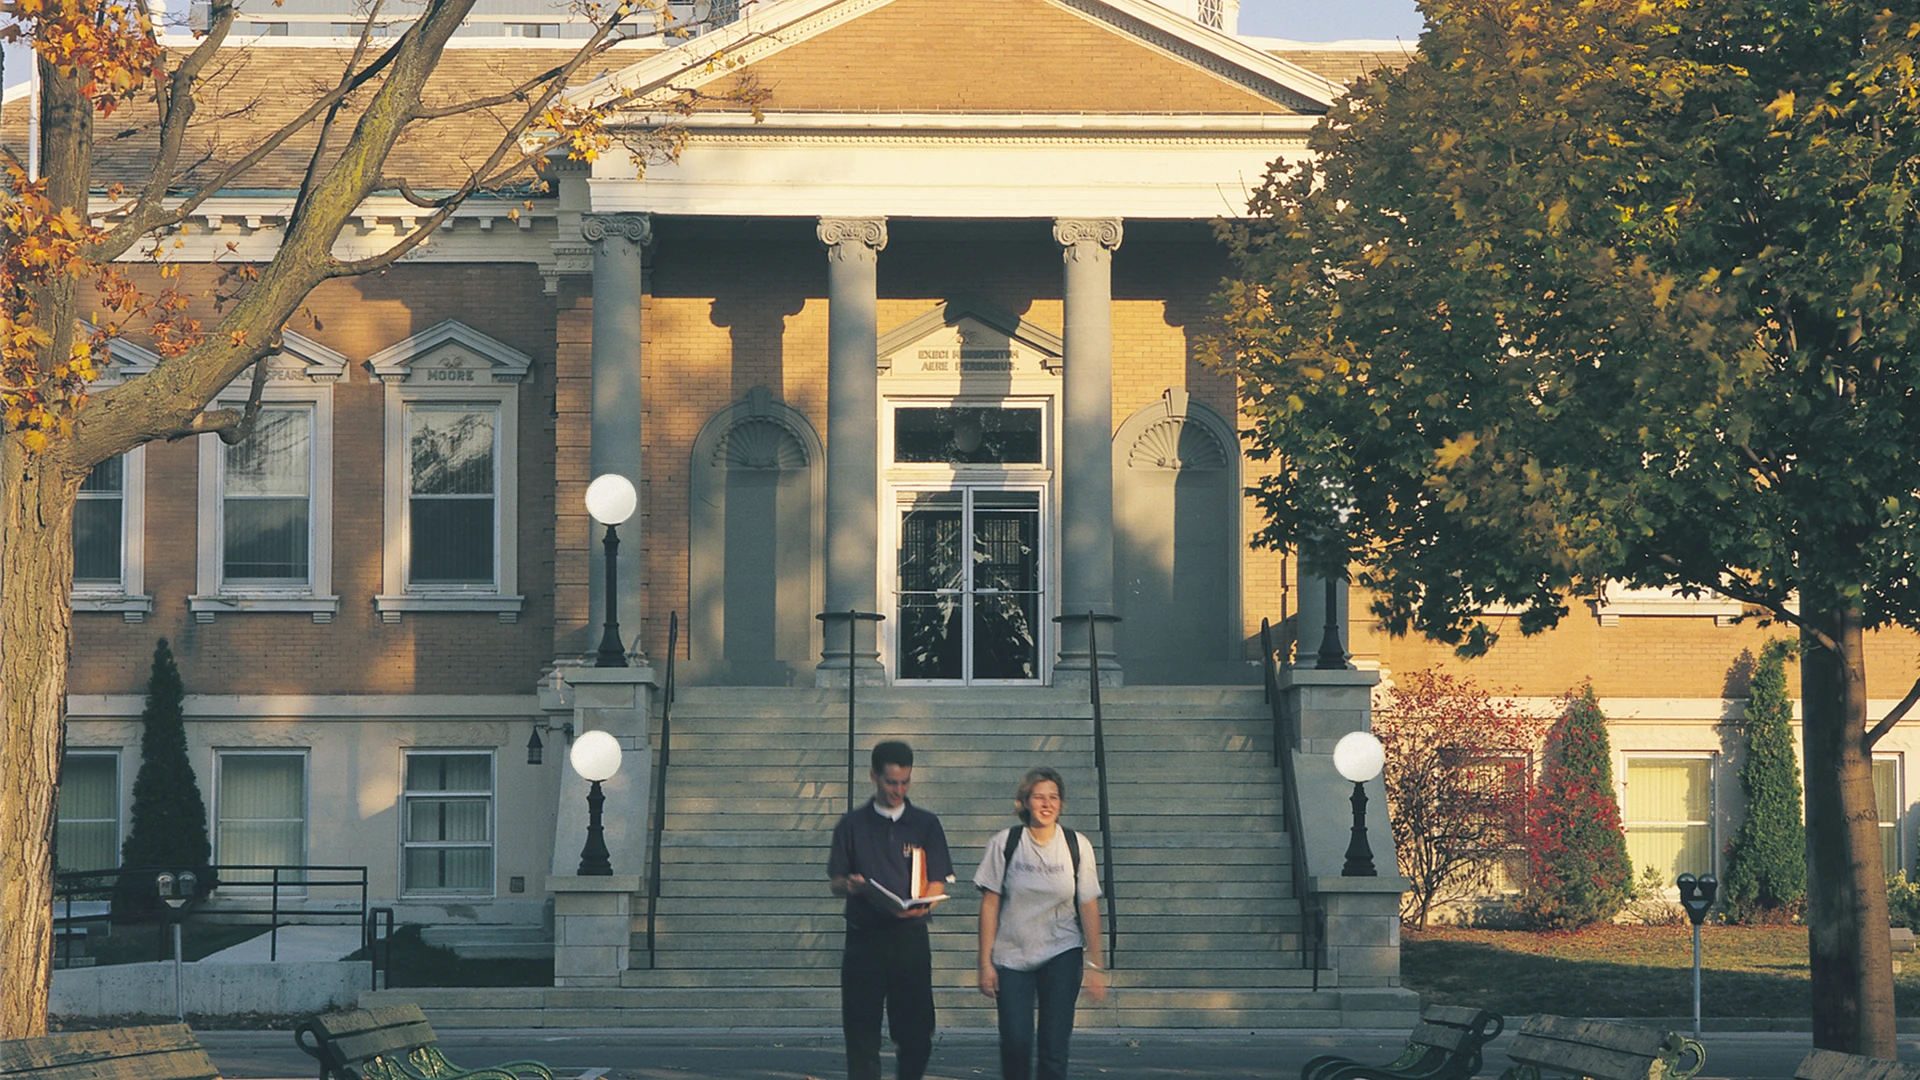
<point x="448" y="832"/>
<point x="968" y="435"/>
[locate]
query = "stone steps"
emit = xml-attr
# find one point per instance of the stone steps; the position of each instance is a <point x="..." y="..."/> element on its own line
<point x="746" y="933"/>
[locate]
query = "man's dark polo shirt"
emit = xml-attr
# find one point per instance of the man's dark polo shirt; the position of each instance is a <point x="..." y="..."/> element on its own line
<point x="867" y="843"/>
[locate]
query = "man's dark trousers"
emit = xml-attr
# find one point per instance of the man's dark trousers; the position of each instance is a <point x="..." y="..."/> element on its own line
<point x="890" y="967"/>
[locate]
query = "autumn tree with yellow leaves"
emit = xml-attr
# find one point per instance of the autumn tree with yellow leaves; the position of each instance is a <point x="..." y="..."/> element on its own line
<point x="66" y="288"/>
<point x="1619" y="290"/>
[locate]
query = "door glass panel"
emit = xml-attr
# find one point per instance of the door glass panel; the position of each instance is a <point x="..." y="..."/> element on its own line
<point x="932" y="576"/>
<point x="1006" y="584"/>
<point x="967" y="436"/>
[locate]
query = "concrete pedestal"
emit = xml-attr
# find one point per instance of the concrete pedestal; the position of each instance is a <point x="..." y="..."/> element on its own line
<point x="617" y="701"/>
<point x="592" y="928"/>
<point x="1363" y="928"/>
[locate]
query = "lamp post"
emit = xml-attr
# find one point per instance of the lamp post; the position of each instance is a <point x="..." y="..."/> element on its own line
<point x="1359" y="756"/>
<point x="176" y="890"/>
<point x="596" y="757"/>
<point x="611" y="500"/>
<point x="1696" y="895"/>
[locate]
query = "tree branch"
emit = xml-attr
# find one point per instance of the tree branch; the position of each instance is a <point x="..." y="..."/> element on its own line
<point x="333" y="114"/>
<point x="232" y="425"/>
<point x="1898" y="714"/>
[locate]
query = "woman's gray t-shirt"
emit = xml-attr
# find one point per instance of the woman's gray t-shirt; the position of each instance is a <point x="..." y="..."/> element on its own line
<point x="1039" y="898"/>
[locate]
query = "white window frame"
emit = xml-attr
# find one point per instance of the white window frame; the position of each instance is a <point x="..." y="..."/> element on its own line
<point x="301" y="373"/>
<point x="451" y="364"/>
<point x="220" y="757"/>
<point x="1899" y="822"/>
<point x="408" y="795"/>
<point x="1712" y="821"/>
<point x="119" y="802"/>
<point x="128" y="596"/>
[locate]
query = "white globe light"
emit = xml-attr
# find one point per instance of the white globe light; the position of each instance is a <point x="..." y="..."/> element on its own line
<point x="595" y="756"/>
<point x="1359" y="756"/>
<point x="611" y="499"/>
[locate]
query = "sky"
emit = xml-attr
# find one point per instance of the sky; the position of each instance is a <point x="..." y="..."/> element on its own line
<point x="1300" y="20"/>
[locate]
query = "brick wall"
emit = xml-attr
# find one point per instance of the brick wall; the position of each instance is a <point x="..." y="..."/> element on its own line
<point x="262" y="653"/>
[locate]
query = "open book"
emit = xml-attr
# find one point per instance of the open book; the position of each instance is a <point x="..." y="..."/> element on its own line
<point x="919" y="898"/>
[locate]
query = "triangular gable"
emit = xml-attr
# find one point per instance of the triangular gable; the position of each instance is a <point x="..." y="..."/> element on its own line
<point x="448" y="352"/>
<point x="965" y="334"/>
<point x="1018" y="56"/>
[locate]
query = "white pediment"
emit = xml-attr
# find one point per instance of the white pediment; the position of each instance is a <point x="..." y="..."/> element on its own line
<point x="960" y="339"/>
<point x="449" y="354"/>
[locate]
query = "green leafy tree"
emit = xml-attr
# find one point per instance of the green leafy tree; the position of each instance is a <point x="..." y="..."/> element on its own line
<point x="1767" y="861"/>
<point x="168" y="828"/>
<point x="1578" y="871"/>
<point x="1618" y="290"/>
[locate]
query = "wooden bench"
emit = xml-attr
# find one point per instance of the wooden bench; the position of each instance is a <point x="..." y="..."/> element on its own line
<point x="393" y="1042"/>
<point x="1832" y="1065"/>
<point x="1445" y="1045"/>
<point x="165" y="1052"/>
<point x="1558" y="1045"/>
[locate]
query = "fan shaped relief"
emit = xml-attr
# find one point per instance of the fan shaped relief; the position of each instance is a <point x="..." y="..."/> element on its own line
<point x="760" y="442"/>
<point x="1175" y="444"/>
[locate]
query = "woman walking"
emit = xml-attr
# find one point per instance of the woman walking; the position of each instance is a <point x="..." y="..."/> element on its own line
<point x="1039" y="928"/>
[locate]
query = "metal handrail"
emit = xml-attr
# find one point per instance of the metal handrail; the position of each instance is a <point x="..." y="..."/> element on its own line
<point x="379" y="946"/>
<point x="69" y="883"/>
<point x="1286" y="739"/>
<point x="854" y="619"/>
<point x="1100" y="771"/>
<point x="660" y="781"/>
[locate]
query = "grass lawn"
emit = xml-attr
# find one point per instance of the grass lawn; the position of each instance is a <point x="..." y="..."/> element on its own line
<point x="1623" y="971"/>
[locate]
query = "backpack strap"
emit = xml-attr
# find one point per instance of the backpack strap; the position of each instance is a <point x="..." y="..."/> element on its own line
<point x="1073" y="848"/>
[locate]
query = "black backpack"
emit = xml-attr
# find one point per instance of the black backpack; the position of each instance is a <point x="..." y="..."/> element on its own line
<point x="1013" y="844"/>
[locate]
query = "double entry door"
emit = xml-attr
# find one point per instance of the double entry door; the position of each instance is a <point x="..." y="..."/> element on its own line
<point x="968" y="586"/>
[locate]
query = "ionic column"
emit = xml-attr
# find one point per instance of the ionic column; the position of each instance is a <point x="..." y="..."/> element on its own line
<point x="853" y="447"/>
<point x="1086" y="446"/>
<point x="618" y="243"/>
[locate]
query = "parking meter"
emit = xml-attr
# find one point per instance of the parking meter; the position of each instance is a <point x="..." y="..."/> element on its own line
<point x="1696" y="895"/>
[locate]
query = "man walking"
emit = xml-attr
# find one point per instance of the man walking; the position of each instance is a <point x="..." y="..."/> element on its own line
<point x="888" y="962"/>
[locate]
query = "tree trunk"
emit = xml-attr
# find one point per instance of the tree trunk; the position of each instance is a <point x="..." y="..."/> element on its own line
<point x="36" y="624"/>
<point x="1850" y="954"/>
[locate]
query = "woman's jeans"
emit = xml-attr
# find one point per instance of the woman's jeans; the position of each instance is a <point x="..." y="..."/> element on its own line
<point x="1053" y="987"/>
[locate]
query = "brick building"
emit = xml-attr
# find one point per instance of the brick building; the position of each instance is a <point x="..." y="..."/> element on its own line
<point x="923" y="342"/>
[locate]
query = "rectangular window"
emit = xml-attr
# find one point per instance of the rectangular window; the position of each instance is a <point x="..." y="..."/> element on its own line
<point x="533" y="30"/>
<point x="262" y="820"/>
<point x="1669" y="815"/>
<point x="1887" y="802"/>
<point x="98" y="525"/>
<point x="268" y="29"/>
<point x="448" y="821"/>
<point x="87" y="828"/>
<point x="452" y="462"/>
<point x="267" y="492"/>
<point x="968" y="435"/>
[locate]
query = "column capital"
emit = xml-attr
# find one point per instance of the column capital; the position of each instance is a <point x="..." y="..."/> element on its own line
<point x="853" y="237"/>
<point x="1086" y="237"/>
<point x="636" y="229"/>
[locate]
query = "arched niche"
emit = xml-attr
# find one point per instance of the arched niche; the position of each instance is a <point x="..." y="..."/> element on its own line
<point x="756" y="532"/>
<point x="1176" y="517"/>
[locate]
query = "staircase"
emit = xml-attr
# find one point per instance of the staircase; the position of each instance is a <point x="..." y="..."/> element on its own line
<point x="747" y="934"/>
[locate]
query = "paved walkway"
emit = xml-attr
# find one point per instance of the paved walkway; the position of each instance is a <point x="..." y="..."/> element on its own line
<point x="319" y="942"/>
